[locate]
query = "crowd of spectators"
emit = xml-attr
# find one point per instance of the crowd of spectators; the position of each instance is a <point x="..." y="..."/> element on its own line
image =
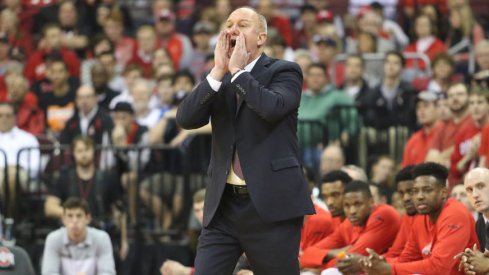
<point x="90" y="74"/>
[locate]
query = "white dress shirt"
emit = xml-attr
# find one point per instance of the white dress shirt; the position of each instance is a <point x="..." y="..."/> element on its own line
<point x="12" y="142"/>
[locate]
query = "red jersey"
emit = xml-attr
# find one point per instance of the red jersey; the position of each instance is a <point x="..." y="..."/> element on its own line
<point x="401" y="238"/>
<point x="35" y="67"/>
<point x="418" y="145"/>
<point x="445" y="137"/>
<point x="430" y="247"/>
<point x="316" y="227"/>
<point x="30" y="116"/>
<point x="484" y="145"/>
<point x="435" y="48"/>
<point x="378" y="233"/>
<point x="441" y="4"/>
<point x="463" y="141"/>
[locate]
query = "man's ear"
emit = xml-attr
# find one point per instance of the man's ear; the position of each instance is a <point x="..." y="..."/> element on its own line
<point x="262" y="38"/>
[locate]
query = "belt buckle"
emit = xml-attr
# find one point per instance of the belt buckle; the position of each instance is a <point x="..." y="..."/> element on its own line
<point x="240" y="191"/>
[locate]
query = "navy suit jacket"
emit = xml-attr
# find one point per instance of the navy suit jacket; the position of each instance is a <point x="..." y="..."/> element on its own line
<point x="262" y="126"/>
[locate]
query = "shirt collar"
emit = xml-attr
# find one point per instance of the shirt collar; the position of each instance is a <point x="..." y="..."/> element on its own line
<point x="90" y="115"/>
<point x="250" y="66"/>
<point x="87" y="242"/>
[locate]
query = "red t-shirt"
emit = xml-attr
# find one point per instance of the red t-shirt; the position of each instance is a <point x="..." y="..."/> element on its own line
<point x="436" y="47"/>
<point x="316" y="227"/>
<point x="30" y="116"/>
<point x="445" y="137"/>
<point x="441" y="4"/>
<point x="405" y="229"/>
<point x="378" y="234"/>
<point x="463" y="141"/>
<point x="418" y="145"/>
<point x="484" y="147"/>
<point x="35" y="67"/>
<point x="430" y="247"/>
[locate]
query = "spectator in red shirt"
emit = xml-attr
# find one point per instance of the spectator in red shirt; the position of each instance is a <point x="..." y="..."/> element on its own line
<point x="305" y="27"/>
<point x="419" y="143"/>
<point x="442" y="146"/>
<point x="443" y="67"/>
<point x="426" y="43"/>
<point x="467" y="141"/>
<point x="75" y="32"/>
<point x="145" y="50"/>
<point x="30" y="117"/>
<point x="20" y="41"/>
<point x="366" y="226"/>
<point x="405" y="183"/>
<point x="50" y="44"/>
<point x="276" y="20"/>
<point x="7" y="63"/>
<point x="178" y="45"/>
<point x="114" y="29"/>
<point x="442" y="228"/>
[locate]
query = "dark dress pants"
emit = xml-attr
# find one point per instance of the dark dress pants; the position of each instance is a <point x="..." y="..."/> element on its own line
<point x="272" y="248"/>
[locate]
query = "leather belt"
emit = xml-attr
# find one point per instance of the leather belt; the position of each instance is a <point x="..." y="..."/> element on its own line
<point x="240" y="191"/>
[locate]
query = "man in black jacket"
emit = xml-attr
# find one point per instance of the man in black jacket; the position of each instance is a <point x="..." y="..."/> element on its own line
<point x="257" y="196"/>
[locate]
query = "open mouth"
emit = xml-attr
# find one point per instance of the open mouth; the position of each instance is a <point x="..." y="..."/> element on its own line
<point x="232" y="43"/>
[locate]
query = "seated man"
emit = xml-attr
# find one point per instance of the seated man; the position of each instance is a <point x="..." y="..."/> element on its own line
<point x="12" y="141"/>
<point x="442" y="228"/>
<point x="77" y="248"/>
<point x="88" y="119"/>
<point x="332" y="189"/>
<point x="404" y="181"/>
<point x="318" y="226"/>
<point x="368" y="225"/>
<point x="476" y="184"/>
<point x="101" y="189"/>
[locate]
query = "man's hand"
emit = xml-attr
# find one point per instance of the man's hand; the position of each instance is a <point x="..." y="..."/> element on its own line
<point x="170" y="267"/>
<point x="375" y="264"/>
<point x="221" y="58"/>
<point x="124" y="250"/>
<point x="240" y="55"/>
<point x="350" y="264"/>
<point x="473" y="261"/>
<point x="119" y="135"/>
<point x="245" y="272"/>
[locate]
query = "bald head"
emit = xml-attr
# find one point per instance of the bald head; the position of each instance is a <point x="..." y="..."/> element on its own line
<point x="476" y="184"/>
<point x="85" y="99"/>
<point x="332" y="159"/>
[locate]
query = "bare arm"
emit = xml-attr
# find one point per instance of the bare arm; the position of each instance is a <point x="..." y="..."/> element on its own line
<point x="52" y="207"/>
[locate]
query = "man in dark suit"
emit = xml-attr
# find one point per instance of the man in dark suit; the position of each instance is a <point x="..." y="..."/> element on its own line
<point x="257" y="196"/>
<point x="476" y="184"/>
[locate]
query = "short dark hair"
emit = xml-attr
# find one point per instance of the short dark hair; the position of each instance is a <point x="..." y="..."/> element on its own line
<point x="88" y="141"/>
<point x="199" y="196"/>
<point x="443" y="57"/>
<point x="356" y="56"/>
<point x="183" y="73"/>
<point x="336" y="175"/>
<point x="308" y="8"/>
<point x="398" y="54"/>
<point x="358" y="186"/>
<point x="405" y="174"/>
<point x="9" y="104"/>
<point x="75" y="202"/>
<point x="319" y="66"/>
<point x="436" y="170"/>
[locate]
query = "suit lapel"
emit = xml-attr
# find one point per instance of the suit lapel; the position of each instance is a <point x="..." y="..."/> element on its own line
<point x="256" y="72"/>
